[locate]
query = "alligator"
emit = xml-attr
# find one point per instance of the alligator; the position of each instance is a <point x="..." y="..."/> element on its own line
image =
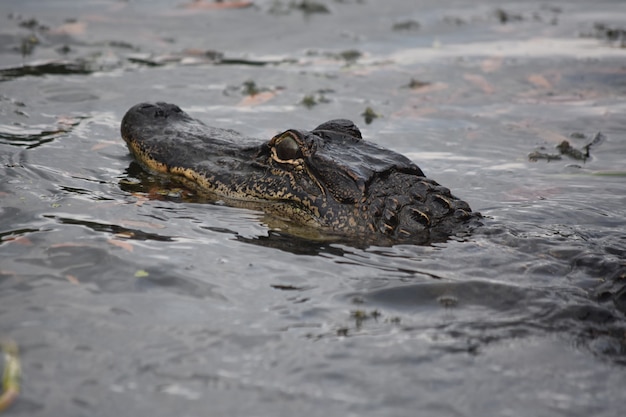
<point x="328" y="178"/>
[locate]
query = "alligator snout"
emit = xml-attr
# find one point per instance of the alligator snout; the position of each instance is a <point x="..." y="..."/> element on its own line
<point x="153" y="111"/>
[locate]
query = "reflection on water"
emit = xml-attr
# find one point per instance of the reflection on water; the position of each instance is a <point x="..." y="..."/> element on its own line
<point x="129" y="294"/>
<point x="111" y="229"/>
<point x="485" y="312"/>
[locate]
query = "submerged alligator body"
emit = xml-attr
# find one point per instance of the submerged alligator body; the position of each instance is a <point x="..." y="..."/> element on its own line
<point x="328" y="178"/>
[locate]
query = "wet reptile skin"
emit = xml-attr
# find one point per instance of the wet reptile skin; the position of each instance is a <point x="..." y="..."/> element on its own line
<point x="328" y="178"/>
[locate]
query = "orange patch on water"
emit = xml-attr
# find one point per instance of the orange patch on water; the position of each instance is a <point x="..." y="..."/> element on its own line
<point x="480" y="82"/>
<point x="74" y="28"/>
<point x="212" y="5"/>
<point x="491" y="64"/>
<point x="121" y="244"/>
<point x="257" y="99"/>
<point x="539" y="81"/>
<point x="72" y="279"/>
<point x="20" y="240"/>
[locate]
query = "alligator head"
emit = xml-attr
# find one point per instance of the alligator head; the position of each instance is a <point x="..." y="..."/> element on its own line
<point x="328" y="178"/>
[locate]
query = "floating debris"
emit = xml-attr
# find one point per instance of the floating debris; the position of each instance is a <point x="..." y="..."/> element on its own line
<point x="406" y="25"/>
<point x="311" y="100"/>
<point x="369" y="115"/>
<point x="141" y="273"/>
<point x="505" y="17"/>
<point x="360" y="316"/>
<point x="448" y="301"/>
<point x="308" y="101"/>
<point x="614" y="35"/>
<point x="537" y="155"/>
<point x="11" y="375"/>
<point x="415" y="84"/>
<point x="249" y="88"/>
<point x="305" y="6"/>
<point x="565" y="148"/>
<point x="350" y="56"/>
<point x="47" y="68"/>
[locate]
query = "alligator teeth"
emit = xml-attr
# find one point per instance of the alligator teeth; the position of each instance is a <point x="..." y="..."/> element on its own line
<point x="393" y="203"/>
<point x="420" y="217"/>
<point x="443" y="201"/>
<point x="390" y="216"/>
<point x="461" y="214"/>
<point x="376" y="210"/>
<point x="386" y="228"/>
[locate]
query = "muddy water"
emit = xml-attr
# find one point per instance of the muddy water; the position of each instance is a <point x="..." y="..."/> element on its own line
<point x="128" y="297"/>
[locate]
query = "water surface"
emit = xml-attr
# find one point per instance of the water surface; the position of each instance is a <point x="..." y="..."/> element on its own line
<point x="128" y="296"/>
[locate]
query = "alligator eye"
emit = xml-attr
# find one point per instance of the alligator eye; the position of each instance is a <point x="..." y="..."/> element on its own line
<point x="287" y="149"/>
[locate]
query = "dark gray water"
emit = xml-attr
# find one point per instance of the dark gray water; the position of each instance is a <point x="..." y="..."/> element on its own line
<point x="127" y="297"/>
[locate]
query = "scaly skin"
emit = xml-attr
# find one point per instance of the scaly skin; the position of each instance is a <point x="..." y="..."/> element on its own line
<point x="328" y="178"/>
